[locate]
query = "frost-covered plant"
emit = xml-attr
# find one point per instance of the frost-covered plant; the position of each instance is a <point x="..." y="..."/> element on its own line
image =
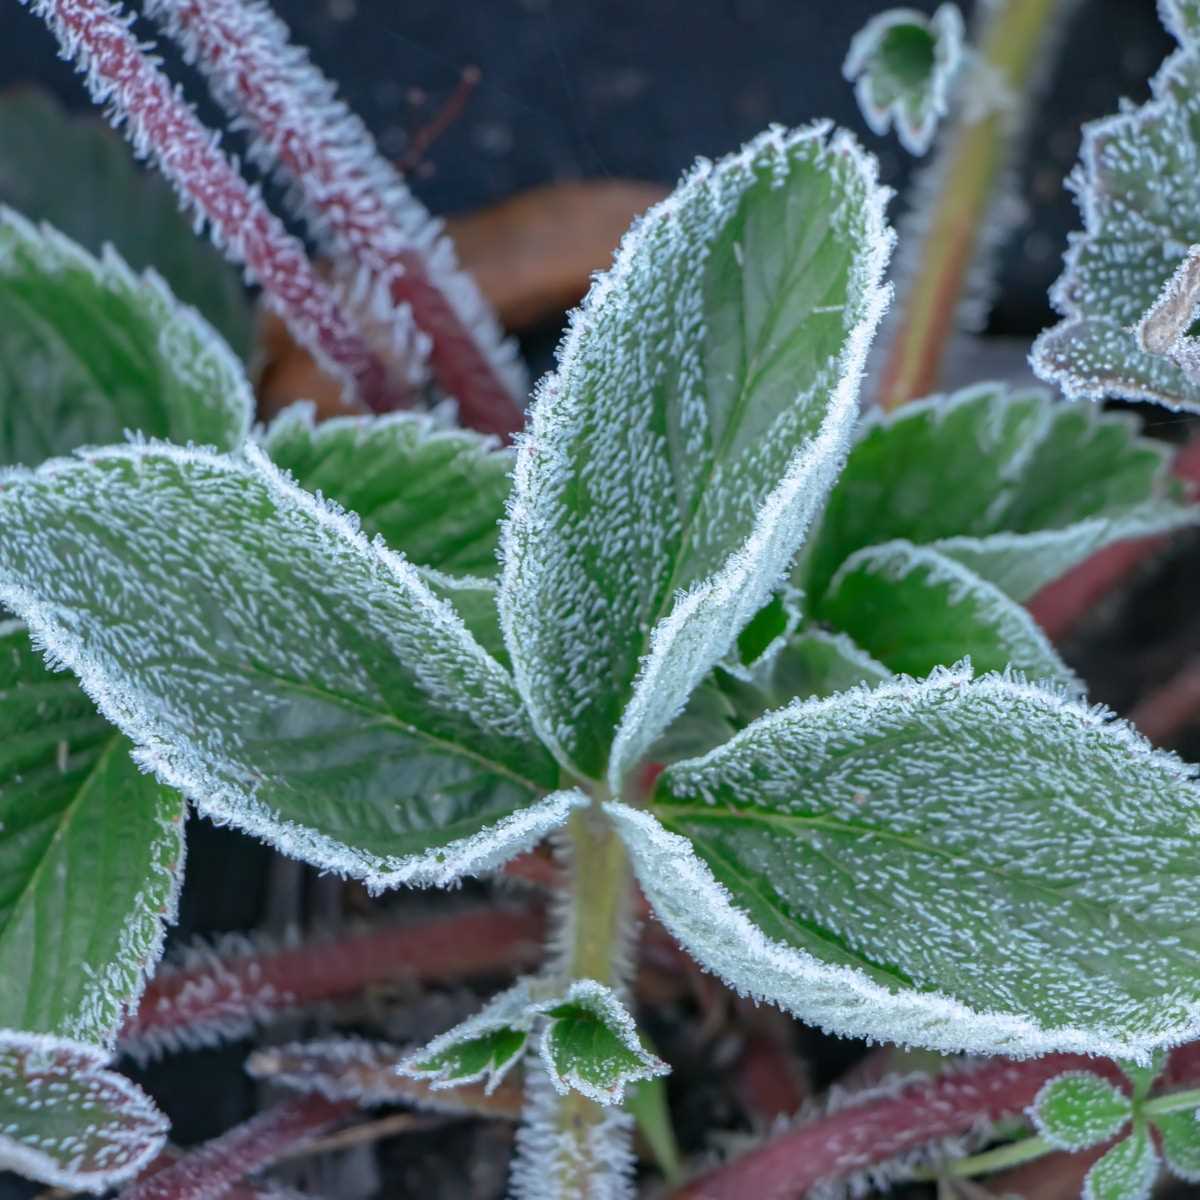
<point x="707" y="629"/>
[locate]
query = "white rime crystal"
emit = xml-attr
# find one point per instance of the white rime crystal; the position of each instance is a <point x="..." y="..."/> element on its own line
<point x="289" y="676"/>
<point x="669" y="474"/>
<point x="986" y="822"/>
<point x="68" y="1122"/>
<point x="915" y="101"/>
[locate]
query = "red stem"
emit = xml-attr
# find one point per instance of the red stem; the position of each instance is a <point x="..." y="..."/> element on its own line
<point x="215" y="1168"/>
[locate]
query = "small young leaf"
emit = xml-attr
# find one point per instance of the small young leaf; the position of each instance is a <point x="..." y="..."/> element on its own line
<point x="905" y="63"/>
<point x="66" y="1121"/>
<point x="1180" y="1134"/>
<point x="435" y="494"/>
<point x="91" y="849"/>
<point x="482" y="1049"/>
<point x="1077" y="1109"/>
<point x="1140" y="215"/>
<point x="957" y="864"/>
<point x="700" y="411"/>
<point x="1013" y="485"/>
<point x="92" y="351"/>
<point x="289" y="676"/>
<point x="74" y="172"/>
<point x="591" y="1044"/>
<point x="1126" y="1172"/>
<point x="914" y="609"/>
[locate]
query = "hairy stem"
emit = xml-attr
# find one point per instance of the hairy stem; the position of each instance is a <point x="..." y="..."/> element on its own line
<point x="967" y="171"/>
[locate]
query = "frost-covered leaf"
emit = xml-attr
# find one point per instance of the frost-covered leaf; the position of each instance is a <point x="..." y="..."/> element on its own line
<point x="482" y="1049"/>
<point x="66" y="1121"/>
<point x="700" y="411"/>
<point x="964" y="865"/>
<point x="1126" y="1172"/>
<point x="91" y="855"/>
<point x="287" y="675"/>
<point x="1182" y="18"/>
<point x="903" y="64"/>
<point x="474" y="599"/>
<point x="1141" y="1076"/>
<point x="1180" y="1134"/>
<point x="1140" y="212"/>
<point x="75" y="173"/>
<point x="1013" y="485"/>
<point x="90" y="351"/>
<point x="435" y="494"/>
<point x="590" y="1045"/>
<point x="1079" y="1109"/>
<point x="914" y="609"/>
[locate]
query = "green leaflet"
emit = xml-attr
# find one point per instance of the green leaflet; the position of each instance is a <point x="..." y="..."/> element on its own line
<point x="904" y="64"/>
<point x="76" y="174"/>
<point x="914" y="609"/>
<point x="434" y="494"/>
<point x="964" y="865"/>
<point x="288" y="676"/>
<point x="1180" y="1133"/>
<point x="1140" y="215"/>
<point x="66" y="1121"/>
<point x="1078" y="1109"/>
<point x="90" y="849"/>
<point x="89" y="351"/>
<point x="699" y="413"/>
<point x="1013" y="485"/>
<point x="1126" y="1172"/>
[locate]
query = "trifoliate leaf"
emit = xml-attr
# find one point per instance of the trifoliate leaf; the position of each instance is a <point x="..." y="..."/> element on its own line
<point x="1126" y="1172"/>
<point x="1180" y="1134"/>
<point x="914" y="609"/>
<point x="590" y="1044"/>
<point x="700" y="411"/>
<point x="75" y="173"/>
<point x="66" y="1121"/>
<point x="1140" y="215"/>
<point x="91" y="856"/>
<point x="434" y="494"/>
<point x="957" y="864"/>
<point x="903" y="64"/>
<point x="1078" y="1109"/>
<point x="1013" y="485"/>
<point x="290" y="677"/>
<point x="481" y="1049"/>
<point x="91" y="351"/>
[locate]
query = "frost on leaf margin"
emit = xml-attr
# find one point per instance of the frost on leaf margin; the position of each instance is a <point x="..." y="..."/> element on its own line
<point x="90" y="848"/>
<point x="1141" y="213"/>
<point x="289" y="676"/>
<point x="903" y="64"/>
<point x="906" y="789"/>
<point x="93" y="351"/>
<point x="1078" y="1109"/>
<point x="1180" y="1133"/>
<point x="66" y="1121"/>
<point x="1126" y="1172"/>
<point x="671" y="469"/>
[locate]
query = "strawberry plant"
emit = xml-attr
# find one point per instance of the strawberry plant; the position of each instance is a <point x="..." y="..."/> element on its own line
<point x="756" y="664"/>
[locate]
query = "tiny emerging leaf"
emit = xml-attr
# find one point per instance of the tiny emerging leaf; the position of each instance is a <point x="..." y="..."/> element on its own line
<point x="1079" y="1109"/>
<point x="1126" y="1172"/>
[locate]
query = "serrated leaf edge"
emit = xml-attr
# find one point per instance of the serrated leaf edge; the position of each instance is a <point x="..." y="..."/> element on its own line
<point x="1034" y="1112"/>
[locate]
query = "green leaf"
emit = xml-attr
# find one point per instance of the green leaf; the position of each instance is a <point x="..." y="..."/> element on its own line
<point x="700" y="411"/>
<point x="481" y="1049"/>
<point x="590" y="1045"/>
<point x="75" y="173"/>
<point x="647" y="1103"/>
<point x="1126" y="1172"/>
<point x="1015" y="486"/>
<point x="1078" y="1109"/>
<point x="67" y="1122"/>
<point x="1140" y="215"/>
<point x="90" y="849"/>
<point x="287" y="675"/>
<point x="434" y="494"/>
<point x="474" y="600"/>
<point x="1182" y="18"/>
<point x="914" y="609"/>
<point x="1180" y="1133"/>
<point x="959" y="864"/>
<point x="904" y="64"/>
<point x="1142" y="1076"/>
<point x="90" y="351"/>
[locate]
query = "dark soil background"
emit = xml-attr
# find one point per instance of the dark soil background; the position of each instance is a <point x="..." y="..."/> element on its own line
<point x="632" y="89"/>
